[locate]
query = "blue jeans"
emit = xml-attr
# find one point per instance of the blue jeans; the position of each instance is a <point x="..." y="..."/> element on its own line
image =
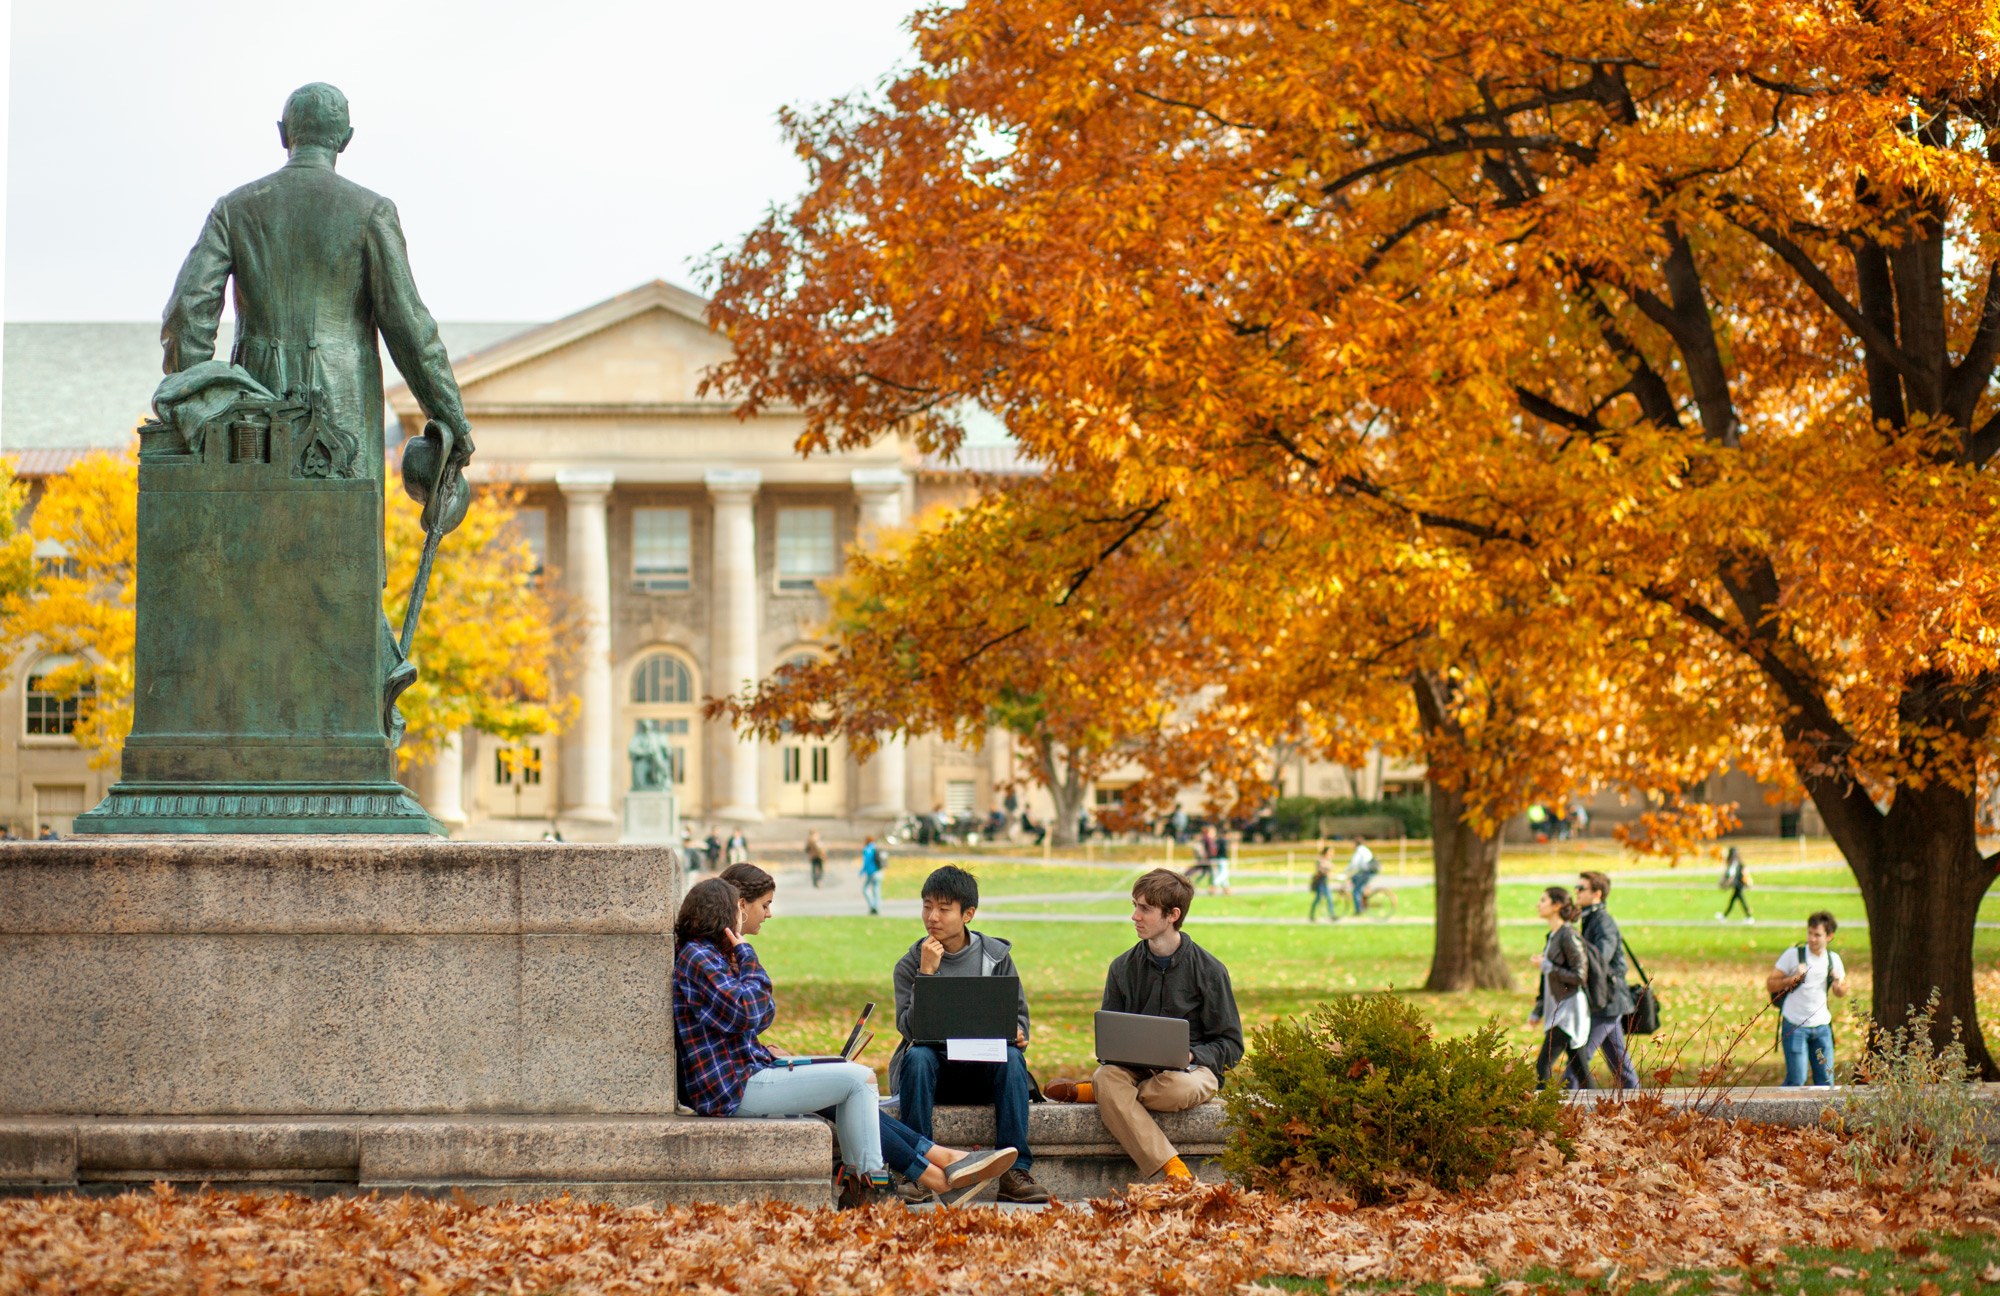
<point x="847" y="1087"/>
<point x="926" y="1078"/>
<point x="1360" y="886"/>
<point x="871" y="891"/>
<point x="1607" y="1033"/>
<point x="903" y="1147"/>
<point x="1321" y="893"/>
<point x="1803" y="1043"/>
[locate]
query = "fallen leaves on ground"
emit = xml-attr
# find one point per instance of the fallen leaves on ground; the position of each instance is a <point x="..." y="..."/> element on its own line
<point x="1685" y="1192"/>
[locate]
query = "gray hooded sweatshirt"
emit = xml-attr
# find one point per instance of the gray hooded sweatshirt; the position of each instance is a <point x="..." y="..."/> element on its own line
<point x="981" y="956"/>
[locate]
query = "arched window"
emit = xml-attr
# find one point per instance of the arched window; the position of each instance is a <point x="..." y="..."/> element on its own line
<point x="47" y="714"/>
<point x="662" y="678"/>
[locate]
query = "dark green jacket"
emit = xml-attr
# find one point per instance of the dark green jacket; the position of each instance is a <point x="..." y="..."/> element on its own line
<point x="1194" y="986"/>
<point x="320" y="269"/>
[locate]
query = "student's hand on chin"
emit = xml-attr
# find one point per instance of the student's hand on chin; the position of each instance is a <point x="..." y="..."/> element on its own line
<point x="931" y="957"/>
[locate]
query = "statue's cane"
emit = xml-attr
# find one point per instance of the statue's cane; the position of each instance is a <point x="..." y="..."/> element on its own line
<point x="433" y="480"/>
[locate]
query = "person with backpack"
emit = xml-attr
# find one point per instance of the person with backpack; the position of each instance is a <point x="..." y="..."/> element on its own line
<point x="1798" y="987"/>
<point x="1561" y="1009"/>
<point x="1737" y="880"/>
<point x="1605" y="986"/>
<point x="1322" y="886"/>
<point x="872" y="863"/>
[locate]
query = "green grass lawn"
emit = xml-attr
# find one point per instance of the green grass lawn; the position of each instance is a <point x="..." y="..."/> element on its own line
<point x="1709" y="975"/>
<point x="1964" y="1264"/>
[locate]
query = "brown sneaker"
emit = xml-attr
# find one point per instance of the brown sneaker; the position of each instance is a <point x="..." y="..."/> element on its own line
<point x="1069" y="1091"/>
<point x="1017" y="1185"/>
<point x="909" y="1192"/>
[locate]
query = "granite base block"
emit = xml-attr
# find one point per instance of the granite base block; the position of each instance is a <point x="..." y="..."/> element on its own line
<point x="635" y="1160"/>
<point x="327" y="975"/>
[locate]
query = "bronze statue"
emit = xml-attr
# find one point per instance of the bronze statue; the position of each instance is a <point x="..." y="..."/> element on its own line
<point x="652" y="759"/>
<point x="267" y="673"/>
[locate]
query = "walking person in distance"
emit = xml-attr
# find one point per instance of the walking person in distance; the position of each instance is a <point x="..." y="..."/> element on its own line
<point x="1737" y="879"/>
<point x="1607" y="1021"/>
<point x="1561" y="1011"/>
<point x="1799" y="985"/>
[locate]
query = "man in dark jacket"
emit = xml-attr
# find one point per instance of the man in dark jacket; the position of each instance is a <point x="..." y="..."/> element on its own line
<point x="1607" y="1028"/>
<point x="1165" y="975"/>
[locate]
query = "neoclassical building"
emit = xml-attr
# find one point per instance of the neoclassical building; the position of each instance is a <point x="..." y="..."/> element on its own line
<point x="694" y="543"/>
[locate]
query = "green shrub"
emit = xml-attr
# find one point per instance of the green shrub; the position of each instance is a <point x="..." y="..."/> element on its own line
<point x="1916" y="1117"/>
<point x="1361" y="1094"/>
<point x="1297" y="818"/>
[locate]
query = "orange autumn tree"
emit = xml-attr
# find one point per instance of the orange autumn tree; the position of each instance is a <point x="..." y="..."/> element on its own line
<point x="1714" y="284"/>
<point x="946" y="629"/>
<point x="488" y="647"/>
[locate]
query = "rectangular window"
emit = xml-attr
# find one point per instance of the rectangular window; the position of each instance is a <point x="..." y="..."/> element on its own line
<point x="50" y="716"/>
<point x="808" y="765"/>
<point x="677" y="752"/>
<point x="517" y="765"/>
<point x="806" y="551"/>
<point x="533" y="524"/>
<point x="958" y="796"/>
<point x="662" y="552"/>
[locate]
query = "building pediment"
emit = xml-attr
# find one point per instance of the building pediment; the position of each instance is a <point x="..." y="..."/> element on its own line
<point x="641" y="352"/>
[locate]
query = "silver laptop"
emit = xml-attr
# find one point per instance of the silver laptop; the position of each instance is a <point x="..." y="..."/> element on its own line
<point x="1131" y="1039"/>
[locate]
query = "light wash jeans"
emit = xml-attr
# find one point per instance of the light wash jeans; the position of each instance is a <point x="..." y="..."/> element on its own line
<point x="871" y="891"/>
<point x="847" y="1087"/>
<point x="1807" y="1043"/>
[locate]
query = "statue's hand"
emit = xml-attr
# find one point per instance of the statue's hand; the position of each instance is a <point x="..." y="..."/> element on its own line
<point x="461" y="447"/>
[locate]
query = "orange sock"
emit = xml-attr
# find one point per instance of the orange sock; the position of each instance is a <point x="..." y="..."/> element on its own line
<point x="1085" y="1091"/>
<point x="1175" y="1168"/>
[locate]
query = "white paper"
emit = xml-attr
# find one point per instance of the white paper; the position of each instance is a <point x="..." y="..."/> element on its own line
<point x="975" y="1050"/>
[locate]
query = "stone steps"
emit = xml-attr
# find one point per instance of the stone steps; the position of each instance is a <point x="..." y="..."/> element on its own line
<point x="625" y="1160"/>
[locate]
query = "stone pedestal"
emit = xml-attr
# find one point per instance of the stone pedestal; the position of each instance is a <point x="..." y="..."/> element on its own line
<point x="260" y="651"/>
<point x="288" y="975"/>
<point x="347" y="1012"/>
<point x="651" y="819"/>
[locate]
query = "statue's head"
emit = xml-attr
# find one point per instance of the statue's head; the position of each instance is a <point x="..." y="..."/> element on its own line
<point x="315" y="114"/>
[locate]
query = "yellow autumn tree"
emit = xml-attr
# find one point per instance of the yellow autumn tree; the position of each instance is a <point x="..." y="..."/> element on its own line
<point x="17" y="546"/>
<point x="488" y="648"/>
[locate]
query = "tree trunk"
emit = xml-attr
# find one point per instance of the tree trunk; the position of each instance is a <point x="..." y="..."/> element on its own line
<point x="1922" y="879"/>
<point x="1465" y="948"/>
<point x="1065" y="785"/>
<point x="1465" y="953"/>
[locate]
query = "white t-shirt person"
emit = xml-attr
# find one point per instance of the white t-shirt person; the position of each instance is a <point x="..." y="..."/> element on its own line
<point x="1806" y="1005"/>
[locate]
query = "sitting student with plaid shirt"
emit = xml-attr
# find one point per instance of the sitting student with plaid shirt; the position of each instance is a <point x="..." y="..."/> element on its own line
<point x="723" y="1001"/>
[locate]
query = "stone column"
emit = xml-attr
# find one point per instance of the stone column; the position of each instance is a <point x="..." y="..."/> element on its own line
<point x="586" y="754"/>
<point x="735" y="597"/>
<point x="885" y="778"/>
<point x="447" y="798"/>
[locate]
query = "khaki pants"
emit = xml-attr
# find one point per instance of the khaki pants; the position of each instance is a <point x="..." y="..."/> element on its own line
<point x="1125" y="1102"/>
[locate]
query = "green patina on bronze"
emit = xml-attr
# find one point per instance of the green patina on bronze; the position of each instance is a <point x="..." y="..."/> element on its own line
<point x="266" y="675"/>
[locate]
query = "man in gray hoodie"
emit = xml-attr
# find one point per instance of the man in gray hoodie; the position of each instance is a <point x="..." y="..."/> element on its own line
<point x="920" y="1074"/>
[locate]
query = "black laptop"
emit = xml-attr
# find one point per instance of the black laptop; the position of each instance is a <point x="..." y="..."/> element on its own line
<point x="948" y="1008"/>
<point x="857" y="1039"/>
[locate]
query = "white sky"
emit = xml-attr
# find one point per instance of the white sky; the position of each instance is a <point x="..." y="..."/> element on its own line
<point x="544" y="155"/>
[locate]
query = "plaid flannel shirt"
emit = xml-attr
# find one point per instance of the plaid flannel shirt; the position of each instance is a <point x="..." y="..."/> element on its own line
<point x="721" y="1002"/>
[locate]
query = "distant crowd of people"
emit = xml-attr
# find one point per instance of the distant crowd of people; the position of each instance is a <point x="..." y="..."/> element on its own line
<point x="47" y="833"/>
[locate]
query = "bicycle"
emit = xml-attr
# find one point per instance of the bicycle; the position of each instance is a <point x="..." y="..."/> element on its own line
<point x="1376" y="897"/>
